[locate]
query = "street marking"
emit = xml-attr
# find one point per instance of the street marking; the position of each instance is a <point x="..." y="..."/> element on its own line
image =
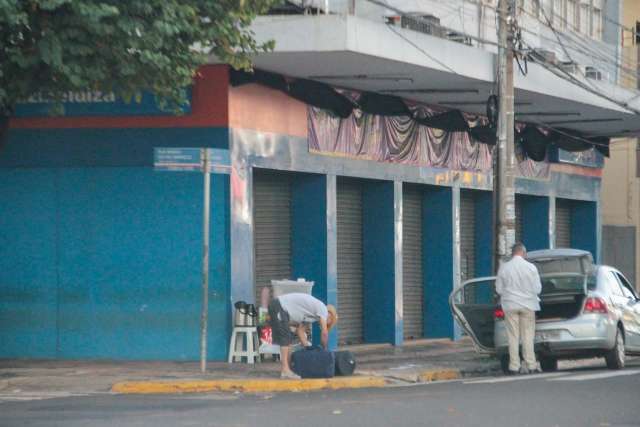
<point x="516" y="378"/>
<point x="28" y="396"/>
<point x="587" y="377"/>
<point x="9" y="397"/>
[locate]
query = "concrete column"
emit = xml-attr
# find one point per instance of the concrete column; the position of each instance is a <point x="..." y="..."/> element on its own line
<point x="398" y="220"/>
<point x="552" y="222"/>
<point x="332" y="252"/>
<point x="242" y="255"/>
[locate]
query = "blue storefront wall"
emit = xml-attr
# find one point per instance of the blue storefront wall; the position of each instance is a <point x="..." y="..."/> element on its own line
<point x="535" y="222"/>
<point x="100" y="256"/>
<point x="378" y="221"/>
<point x="584" y="227"/>
<point x="438" y="239"/>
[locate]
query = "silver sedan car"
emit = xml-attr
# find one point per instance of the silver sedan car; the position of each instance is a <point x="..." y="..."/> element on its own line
<point x="586" y="311"/>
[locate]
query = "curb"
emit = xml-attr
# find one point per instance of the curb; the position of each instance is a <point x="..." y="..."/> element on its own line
<point x="248" y="386"/>
<point x="439" y="375"/>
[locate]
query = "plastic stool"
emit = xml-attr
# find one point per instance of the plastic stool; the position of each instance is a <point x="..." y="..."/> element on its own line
<point x="248" y="335"/>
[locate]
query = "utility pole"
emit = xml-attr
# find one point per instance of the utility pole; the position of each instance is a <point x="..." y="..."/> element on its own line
<point x="504" y="164"/>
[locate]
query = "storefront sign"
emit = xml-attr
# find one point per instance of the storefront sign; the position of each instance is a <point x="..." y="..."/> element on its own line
<point x="191" y="159"/>
<point x="178" y="159"/>
<point x="95" y="103"/>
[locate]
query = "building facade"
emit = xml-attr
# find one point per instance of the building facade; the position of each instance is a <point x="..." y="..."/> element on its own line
<point x="384" y="201"/>
<point x="621" y="183"/>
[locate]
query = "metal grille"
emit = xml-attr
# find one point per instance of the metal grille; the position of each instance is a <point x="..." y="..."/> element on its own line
<point x="467" y="235"/>
<point x="350" y="270"/>
<point x="272" y="228"/>
<point x="412" y="274"/>
<point x="519" y="220"/>
<point x="563" y="223"/>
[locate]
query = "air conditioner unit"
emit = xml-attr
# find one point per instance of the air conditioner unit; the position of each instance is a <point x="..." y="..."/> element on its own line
<point x="544" y="56"/>
<point x="592" y="73"/>
<point x="426" y="24"/>
<point x="459" y="38"/>
<point x="569" y="67"/>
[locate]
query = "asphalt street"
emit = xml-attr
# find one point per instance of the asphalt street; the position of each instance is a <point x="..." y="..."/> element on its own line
<point x="581" y="397"/>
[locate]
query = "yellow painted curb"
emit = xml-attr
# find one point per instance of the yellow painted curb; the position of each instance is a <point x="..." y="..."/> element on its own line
<point x="441" y="375"/>
<point x="249" y="386"/>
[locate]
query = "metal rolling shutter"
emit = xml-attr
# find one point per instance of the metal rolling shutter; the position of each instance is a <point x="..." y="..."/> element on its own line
<point x="412" y="275"/>
<point x="519" y="220"/>
<point x="272" y="228"/>
<point x="350" y="270"/>
<point x="563" y="223"/>
<point x="467" y="235"/>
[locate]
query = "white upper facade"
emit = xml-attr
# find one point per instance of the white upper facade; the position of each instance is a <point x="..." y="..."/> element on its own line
<point x="444" y="53"/>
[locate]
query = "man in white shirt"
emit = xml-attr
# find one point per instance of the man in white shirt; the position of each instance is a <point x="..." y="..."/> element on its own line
<point x="518" y="284"/>
<point x="298" y="309"/>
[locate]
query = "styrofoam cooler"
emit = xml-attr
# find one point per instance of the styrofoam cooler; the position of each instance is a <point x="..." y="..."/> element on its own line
<point x="282" y="287"/>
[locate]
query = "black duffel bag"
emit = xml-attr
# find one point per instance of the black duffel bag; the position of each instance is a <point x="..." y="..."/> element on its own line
<point x="313" y="362"/>
<point x="345" y="363"/>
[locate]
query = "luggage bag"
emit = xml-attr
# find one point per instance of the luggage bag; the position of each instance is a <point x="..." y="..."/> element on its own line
<point x="313" y="362"/>
<point x="345" y="363"/>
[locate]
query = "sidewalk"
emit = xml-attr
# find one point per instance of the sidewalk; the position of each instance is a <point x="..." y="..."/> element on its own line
<point x="377" y="366"/>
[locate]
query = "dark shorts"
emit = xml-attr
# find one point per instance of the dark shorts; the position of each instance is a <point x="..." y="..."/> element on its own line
<point x="281" y="334"/>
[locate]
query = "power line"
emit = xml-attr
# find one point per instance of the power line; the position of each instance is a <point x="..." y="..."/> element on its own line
<point x="590" y="50"/>
<point x="420" y="19"/>
<point x="559" y="72"/>
<point x="393" y="30"/>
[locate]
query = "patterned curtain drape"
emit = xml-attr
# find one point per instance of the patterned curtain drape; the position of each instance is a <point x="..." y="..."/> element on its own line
<point x="399" y="139"/>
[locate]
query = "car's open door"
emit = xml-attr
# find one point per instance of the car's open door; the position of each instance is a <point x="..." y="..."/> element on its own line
<point x="473" y="305"/>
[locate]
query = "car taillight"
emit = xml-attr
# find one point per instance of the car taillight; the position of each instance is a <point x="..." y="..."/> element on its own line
<point x="595" y="305"/>
<point x="498" y="314"/>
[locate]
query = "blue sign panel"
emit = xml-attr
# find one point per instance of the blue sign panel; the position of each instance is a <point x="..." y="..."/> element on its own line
<point x="219" y="160"/>
<point x="96" y="103"/>
<point x="178" y="159"/>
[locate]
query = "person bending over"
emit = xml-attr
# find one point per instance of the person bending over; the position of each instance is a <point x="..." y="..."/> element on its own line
<point x="299" y="310"/>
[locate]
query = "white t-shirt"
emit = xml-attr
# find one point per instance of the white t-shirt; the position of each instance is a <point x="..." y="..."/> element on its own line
<point x="303" y="308"/>
<point x="518" y="284"/>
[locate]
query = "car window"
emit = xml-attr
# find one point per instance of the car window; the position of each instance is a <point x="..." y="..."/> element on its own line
<point x="627" y="290"/>
<point x="592" y="282"/>
<point x="612" y="283"/>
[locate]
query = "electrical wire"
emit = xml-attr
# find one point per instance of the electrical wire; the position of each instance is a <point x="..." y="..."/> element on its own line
<point x="564" y="49"/>
<point x="553" y="68"/>
<point x="424" y="52"/>
<point x="582" y="46"/>
<point x="420" y="19"/>
<point x="567" y="76"/>
<point x="577" y="41"/>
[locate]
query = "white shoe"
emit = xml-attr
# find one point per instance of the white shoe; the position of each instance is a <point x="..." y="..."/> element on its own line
<point x="289" y="376"/>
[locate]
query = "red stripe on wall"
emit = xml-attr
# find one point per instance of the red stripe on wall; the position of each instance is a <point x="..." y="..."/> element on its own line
<point x="576" y="170"/>
<point x="209" y="107"/>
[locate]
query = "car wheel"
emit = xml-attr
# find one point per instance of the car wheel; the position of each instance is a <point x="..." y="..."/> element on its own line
<point x="504" y="363"/>
<point x="616" y="356"/>
<point x="548" y="364"/>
